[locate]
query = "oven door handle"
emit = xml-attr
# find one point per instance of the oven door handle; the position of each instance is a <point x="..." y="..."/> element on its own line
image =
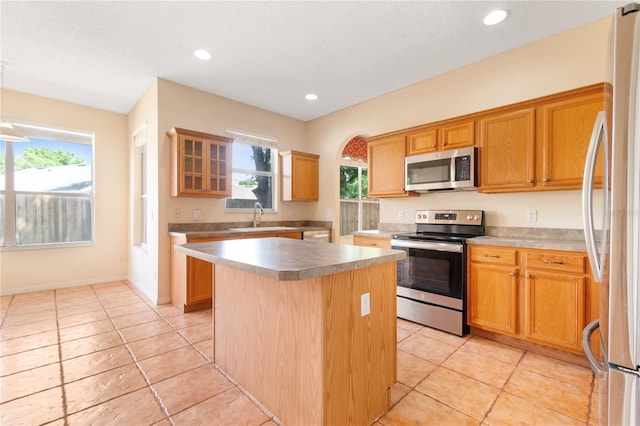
<point x="427" y="245"/>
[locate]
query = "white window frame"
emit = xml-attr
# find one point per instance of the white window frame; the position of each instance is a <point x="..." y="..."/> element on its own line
<point x="247" y="138"/>
<point x="52" y="133"/>
<point x="359" y="164"/>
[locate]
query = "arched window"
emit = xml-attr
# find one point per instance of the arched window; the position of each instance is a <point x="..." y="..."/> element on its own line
<point x="358" y="212"/>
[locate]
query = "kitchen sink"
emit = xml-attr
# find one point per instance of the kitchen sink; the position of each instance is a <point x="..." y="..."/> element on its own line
<point x="262" y="228"/>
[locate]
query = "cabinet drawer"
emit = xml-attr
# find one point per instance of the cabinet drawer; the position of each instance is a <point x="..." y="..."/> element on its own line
<point x="380" y="242"/>
<point x="494" y="255"/>
<point x="556" y="261"/>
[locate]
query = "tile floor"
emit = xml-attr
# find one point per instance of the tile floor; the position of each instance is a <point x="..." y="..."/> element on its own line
<point x="104" y="355"/>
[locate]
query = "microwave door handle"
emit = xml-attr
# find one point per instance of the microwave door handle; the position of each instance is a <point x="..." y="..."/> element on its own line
<point x="598" y="135"/>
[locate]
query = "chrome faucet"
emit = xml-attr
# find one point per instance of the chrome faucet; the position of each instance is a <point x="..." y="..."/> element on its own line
<point x="256" y="216"/>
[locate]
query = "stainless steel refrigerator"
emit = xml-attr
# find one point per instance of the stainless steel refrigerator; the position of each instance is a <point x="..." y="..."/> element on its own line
<point x="614" y="248"/>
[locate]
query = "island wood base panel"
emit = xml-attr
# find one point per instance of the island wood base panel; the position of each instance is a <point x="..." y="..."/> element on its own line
<point x="302" y="348"/>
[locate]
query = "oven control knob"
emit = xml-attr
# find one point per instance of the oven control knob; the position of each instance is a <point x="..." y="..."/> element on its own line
<point x="469" y="217"/>
<point x="476" y="217"/>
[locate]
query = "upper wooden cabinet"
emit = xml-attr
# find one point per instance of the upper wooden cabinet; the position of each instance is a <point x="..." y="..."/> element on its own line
<point x="449" y="135"/>
<point x="299" y="176"/>
<point x="507" y="159"/>
<point x="386" y="166"/>
<point x="200" y="164"/>
<point x="542" y="145"/>
<point x="567" y="127"/>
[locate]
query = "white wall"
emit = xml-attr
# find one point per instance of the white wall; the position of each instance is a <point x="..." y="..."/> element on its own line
<point x="40" y="269"/>
<point x="569" y="60"/>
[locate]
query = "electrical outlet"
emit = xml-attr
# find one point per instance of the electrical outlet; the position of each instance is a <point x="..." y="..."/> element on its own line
<point x="532" y="216"/>
<point x="176" y="213"/>
<point x="401" y="214"/>
<point x="197" y="215"/>
<point x="365" y="304"/>
<point x="292" y="213"/>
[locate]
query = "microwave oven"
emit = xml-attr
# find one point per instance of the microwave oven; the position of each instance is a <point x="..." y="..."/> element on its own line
<point x="453" y="170"/>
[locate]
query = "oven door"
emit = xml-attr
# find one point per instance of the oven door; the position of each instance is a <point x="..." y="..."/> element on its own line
<point x="432" y="272"/>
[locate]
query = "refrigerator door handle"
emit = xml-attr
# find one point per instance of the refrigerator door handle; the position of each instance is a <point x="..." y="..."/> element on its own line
<point x="596" y="366"/>
<point x="598" y="135"/>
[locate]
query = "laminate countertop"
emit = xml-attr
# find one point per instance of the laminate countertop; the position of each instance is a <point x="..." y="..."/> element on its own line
<point x="534" y="243"/>
<point x="286" y="259"/>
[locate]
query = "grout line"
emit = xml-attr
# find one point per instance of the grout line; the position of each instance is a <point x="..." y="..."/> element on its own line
<point x="62" y="387"/>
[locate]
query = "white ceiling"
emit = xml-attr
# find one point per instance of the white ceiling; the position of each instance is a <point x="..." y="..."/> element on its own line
<point x="268" y="54"/>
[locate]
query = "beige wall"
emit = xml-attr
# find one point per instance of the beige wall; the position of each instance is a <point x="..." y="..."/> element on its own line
<point x="184" y="107"/>
<point x="569" y="60"/>
<point x="38" y="269"/>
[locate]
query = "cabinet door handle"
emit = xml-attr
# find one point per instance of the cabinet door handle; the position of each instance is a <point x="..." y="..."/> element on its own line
<point x="497" y="256"/>
<point x="530" y="181"/>
<point x="546" y="180"/>
<point x="556" y="262"/>
<point x="527" y="276"/>
<point x="434" y="145"/>
<point x="444" y="143"/>
<point x="513" y="273"/>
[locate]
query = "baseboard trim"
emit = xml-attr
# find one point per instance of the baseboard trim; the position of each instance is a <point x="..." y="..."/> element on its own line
<point x="59" y="285"/>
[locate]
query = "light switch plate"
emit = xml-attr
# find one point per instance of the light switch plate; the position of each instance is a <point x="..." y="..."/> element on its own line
<point x="365" y="304"/>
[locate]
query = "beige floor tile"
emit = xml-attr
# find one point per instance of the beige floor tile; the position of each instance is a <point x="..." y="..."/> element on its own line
<point x="87" y="345"/>
<point x="168" y="311"/>
<point x="190" y="388"/>
<point x="102" y="387"/>
<point x="135" y="319"/>
<point x="82" y="318"/>
<point x="206" y="347"/>
<point x="142" y="331"/>
<point x="27" y="360"/>
<point x="500" y="352"/>
<point x="408" y="325"/>
<point x="35" y="409"/>
<point x="118" y="311"/>
<point x="164" y="422"/>
<point x="441" y="336"/>
<point x="466" y="395"/>
<point x="95" y="363"/>
<point x="70" y="309"/>
<point x="419" y="410"/>
<point x="30" y="381"/>
<point x="113" y="302"/>
<point x="14" y="319"/>
<point x="198" y="333"/>
<point x="228" y="408"/>
<point x="27" y="329"/>
<point x="510" y="410"/>
<point x="155" y="345"/>
<point x="412" y="369"/>
<point x="398" y="391"/>
<point x="402" y="334"/>
<point x="427" y="348"/>
<point x="85" y="330"/>
<point x="563" y="397"/>
<point x="34" y="341"/>
<point x="189" y="319"/>
<point x="480" y="367"/>
<point x="169" y="364"/>
<point x="561" y="370"/>
<point x="135" y="408"/>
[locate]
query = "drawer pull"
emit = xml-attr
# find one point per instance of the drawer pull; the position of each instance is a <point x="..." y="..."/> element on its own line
<point x="434" y="145"/>
<point x="513" y="274"/>
<point x="530" y="181"/>
<point x="497" y="256"/>
<point x="556" y="262"/>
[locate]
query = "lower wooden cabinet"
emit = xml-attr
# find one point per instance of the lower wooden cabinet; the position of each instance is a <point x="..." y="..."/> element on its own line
<point x="192" y="279"/>
<point x="372" y="241"/>
<point x="541" y="296"/>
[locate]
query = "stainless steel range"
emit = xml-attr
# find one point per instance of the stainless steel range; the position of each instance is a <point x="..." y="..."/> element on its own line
<point x="432" y="278"/>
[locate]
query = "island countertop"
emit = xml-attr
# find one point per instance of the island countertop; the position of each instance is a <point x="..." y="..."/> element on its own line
<point x="286" y="259"/>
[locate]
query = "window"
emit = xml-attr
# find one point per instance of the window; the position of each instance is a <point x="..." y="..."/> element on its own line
<point x="140" y="187"/>
<point x="358" y="212"/>
<point x="254" y="166"/>
<point x="46" y="188"/>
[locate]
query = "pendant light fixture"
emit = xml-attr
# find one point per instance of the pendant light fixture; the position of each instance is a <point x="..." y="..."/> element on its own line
<point x="9" y="134"/>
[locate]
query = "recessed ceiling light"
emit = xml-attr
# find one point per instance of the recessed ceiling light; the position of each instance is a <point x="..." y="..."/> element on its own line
<point x="495" y="17"/>
<point x="311" y="96"/>
<point x="202" y="54"/>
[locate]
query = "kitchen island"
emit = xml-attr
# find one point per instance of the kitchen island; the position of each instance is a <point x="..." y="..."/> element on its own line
<point x="308" y="329"/>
